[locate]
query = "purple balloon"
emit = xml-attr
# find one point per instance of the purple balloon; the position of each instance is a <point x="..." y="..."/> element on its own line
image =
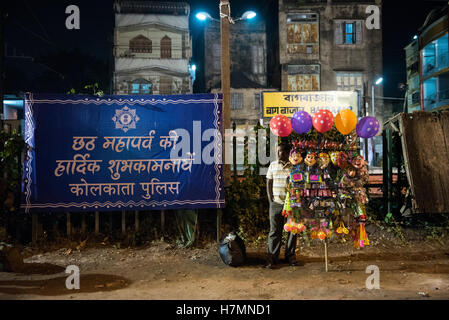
<point x="301" y="122"/>
<point x="367" y="127"/>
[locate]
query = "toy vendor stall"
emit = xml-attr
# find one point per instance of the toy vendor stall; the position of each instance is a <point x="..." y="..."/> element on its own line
<point x="326" y="197"/>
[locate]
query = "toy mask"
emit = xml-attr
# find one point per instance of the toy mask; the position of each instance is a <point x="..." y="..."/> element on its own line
<point x="310" y="159"/>
<point x="295" y="157"/>
<point x="323" y="160"/>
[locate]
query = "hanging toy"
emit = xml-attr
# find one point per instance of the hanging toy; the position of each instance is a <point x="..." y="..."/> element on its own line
<point x="342" y="230"/>
<point x="286" y="211"/>
<point x="342" y="160"/>
<point x="334" y="156"/>
<point x="295" y="156"/>
<point x="361" y="240"/>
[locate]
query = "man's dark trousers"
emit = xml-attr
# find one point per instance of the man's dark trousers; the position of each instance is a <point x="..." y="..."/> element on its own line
<point x="275" y="235"/>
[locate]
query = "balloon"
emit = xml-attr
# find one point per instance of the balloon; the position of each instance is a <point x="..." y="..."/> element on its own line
<point x="345" y="121"/>
<point x="323" y="120"/>
<point x="367" y="127"/>
<point x="280" y="126"/>
<point x="301" y="122"/>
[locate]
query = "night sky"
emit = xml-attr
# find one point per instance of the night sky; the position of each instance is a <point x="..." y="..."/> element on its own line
<point x="37" y="28"/>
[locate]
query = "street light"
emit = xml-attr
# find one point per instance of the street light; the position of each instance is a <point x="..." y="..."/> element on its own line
<point x="376" y="83"/>
<point x="373" y="114"/>
<point x="225" y="21"/>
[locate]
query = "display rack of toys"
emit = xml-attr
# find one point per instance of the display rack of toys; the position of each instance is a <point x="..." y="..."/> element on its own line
<point x="326" y="196"/>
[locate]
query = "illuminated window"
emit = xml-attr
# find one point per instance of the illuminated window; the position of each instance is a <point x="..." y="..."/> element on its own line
<point x="348" y="31"/>
<point x="140" y="86"/>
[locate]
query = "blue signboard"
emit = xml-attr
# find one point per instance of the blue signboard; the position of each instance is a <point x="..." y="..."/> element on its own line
<point x="87" y="153"/>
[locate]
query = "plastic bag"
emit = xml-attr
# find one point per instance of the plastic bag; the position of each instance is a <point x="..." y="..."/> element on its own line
<point x="232" y="250"/>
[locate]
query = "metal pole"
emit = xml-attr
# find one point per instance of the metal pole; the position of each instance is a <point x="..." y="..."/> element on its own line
<point x="225" y="81"/>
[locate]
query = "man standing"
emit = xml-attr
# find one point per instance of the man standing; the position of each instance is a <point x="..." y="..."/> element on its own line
<point x="277" y="175"/>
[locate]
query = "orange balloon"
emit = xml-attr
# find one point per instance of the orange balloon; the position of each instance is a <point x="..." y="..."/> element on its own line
<point x="345" y="121"/>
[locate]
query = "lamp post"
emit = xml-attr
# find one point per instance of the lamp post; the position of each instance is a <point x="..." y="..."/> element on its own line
<point x="225" y="21"/>
<point x="373" y="114"/>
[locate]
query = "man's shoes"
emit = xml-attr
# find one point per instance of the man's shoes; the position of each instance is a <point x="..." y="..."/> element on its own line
<point x="270" y="263"/>
<point x="292" y="261"/>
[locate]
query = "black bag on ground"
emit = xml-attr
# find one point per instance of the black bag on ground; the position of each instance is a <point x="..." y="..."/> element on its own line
<point x="232" y="250"/>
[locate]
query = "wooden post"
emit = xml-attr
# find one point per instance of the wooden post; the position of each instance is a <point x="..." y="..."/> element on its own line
<point x="325" y="253"/>
<point x="390" y="168"/>
<point x="97" y="222"/>
<point x="83" y="224"/>
<point x="163" y="221"/>
<point x="34" y="228"/>
<point x="123" y="222"/>
<point x="69" y="226"/>
<point x="385" y="170"/>
<point x="136" y="220"/>
<point x="219" y="216"/>
<point x="55" y="226"/>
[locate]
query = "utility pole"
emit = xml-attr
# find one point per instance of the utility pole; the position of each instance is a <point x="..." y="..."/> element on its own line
<point x="225" y="19"/>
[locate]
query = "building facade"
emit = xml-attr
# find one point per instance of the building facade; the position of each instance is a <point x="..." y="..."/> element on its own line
<point x="324" y="45"/>
<point x="152" y="48"/>
<point x="434" y="61"/>
<point x="248" y="57"/>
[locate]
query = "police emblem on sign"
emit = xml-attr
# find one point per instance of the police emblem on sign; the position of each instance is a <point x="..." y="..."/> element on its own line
<point x="125" y="119"/>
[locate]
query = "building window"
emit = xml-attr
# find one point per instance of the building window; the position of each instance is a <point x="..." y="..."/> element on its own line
<point x="302" y="33"/>
<point x="140" y="86"/>
<point x="303" y="77"/>
<point x="236" y="100"/>
<point x="257" y="59"/>
<point x="435" y="56"/>
<point x="348" y="31"/>
<point x="165" y="85"/>
<point x="140" y="44"/>
<point x="349" y="81"/>
<point x="165" y="48"/>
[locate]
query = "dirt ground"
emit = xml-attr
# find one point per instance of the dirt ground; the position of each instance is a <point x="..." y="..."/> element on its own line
<point x="159" y="270"/>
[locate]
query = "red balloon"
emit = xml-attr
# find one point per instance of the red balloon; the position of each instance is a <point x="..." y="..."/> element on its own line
<point x="280" y="126"/>
<point x="323" y="120"/>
